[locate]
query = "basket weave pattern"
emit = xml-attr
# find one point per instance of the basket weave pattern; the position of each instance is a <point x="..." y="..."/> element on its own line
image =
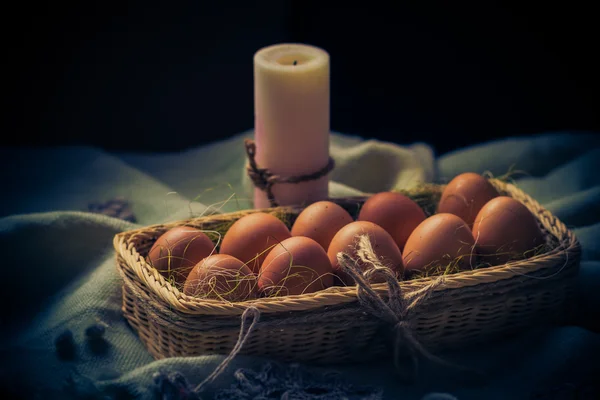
<point x="330" y="326"/>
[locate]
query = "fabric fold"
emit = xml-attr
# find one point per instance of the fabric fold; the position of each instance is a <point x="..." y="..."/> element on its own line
<point x="60" y="272"/>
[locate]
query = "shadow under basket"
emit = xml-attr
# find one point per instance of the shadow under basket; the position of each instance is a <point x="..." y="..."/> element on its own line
<point x="330" y="326"/>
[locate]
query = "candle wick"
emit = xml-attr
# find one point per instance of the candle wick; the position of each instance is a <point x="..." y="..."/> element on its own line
<point x="295" y="62"/>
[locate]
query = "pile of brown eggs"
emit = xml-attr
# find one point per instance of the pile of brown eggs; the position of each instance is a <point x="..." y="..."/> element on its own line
<point x="260" y="256"/>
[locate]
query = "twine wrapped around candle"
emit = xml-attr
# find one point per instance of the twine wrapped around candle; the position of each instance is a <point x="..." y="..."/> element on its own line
<point x="265" y="179"/>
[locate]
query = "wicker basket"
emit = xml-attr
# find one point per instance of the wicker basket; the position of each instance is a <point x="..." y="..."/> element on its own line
<point x="330" y="326"/>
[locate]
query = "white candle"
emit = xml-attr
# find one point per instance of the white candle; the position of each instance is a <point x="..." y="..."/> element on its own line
<point x="291" y="110"/>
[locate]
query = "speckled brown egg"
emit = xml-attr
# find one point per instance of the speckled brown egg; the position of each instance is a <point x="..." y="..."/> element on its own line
<point x="295" y="266"/>
<point x="176" y="252"/>
<point x="506" y="230"/>
<point x="320" y="221"/>
<point x="441" y="240"/>
<point x="385" y="248"/>
<point x="465" y="195"/>
<point x="221" y="277"/>
<point x="251" y="237"/>
<point x="394" y="212"/>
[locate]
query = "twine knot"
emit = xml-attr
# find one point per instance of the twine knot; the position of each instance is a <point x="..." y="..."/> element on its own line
<point x="261" y="177"/>
<point x="264" y="179"/>
<point x="395" y="310"/>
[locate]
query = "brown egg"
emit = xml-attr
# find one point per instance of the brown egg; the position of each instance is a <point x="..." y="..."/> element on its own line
<point x="221" y="277"/>
<point x="320" y="221"/>
<point x="465" y="195"/>
<point x="251" y="237"/>
<point x="394" y="212"/>
<point x="506" y="230"/>
<point x="383" y="245"/>
<point x="175" y="252"/>
<point x="297" y="265"/>
<point x="441" y="240"/>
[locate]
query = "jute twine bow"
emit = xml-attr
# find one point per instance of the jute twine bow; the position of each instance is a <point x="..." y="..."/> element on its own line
<point x="265" y="179"/>
<point x="395" y="311"/>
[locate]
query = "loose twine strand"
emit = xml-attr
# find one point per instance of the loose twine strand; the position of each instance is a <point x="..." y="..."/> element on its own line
<point x="394" y="312"/>
<point x="264" y="179"/>
<point x="250" y="313"/>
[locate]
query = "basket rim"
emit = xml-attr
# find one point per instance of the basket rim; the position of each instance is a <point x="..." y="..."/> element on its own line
<point x="567" y="254"/>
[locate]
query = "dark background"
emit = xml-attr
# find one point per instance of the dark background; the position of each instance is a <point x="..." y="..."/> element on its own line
<point x="163" y="77"/>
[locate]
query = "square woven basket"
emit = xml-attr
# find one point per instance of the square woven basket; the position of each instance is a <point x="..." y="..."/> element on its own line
<point x="330" y="326"/>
